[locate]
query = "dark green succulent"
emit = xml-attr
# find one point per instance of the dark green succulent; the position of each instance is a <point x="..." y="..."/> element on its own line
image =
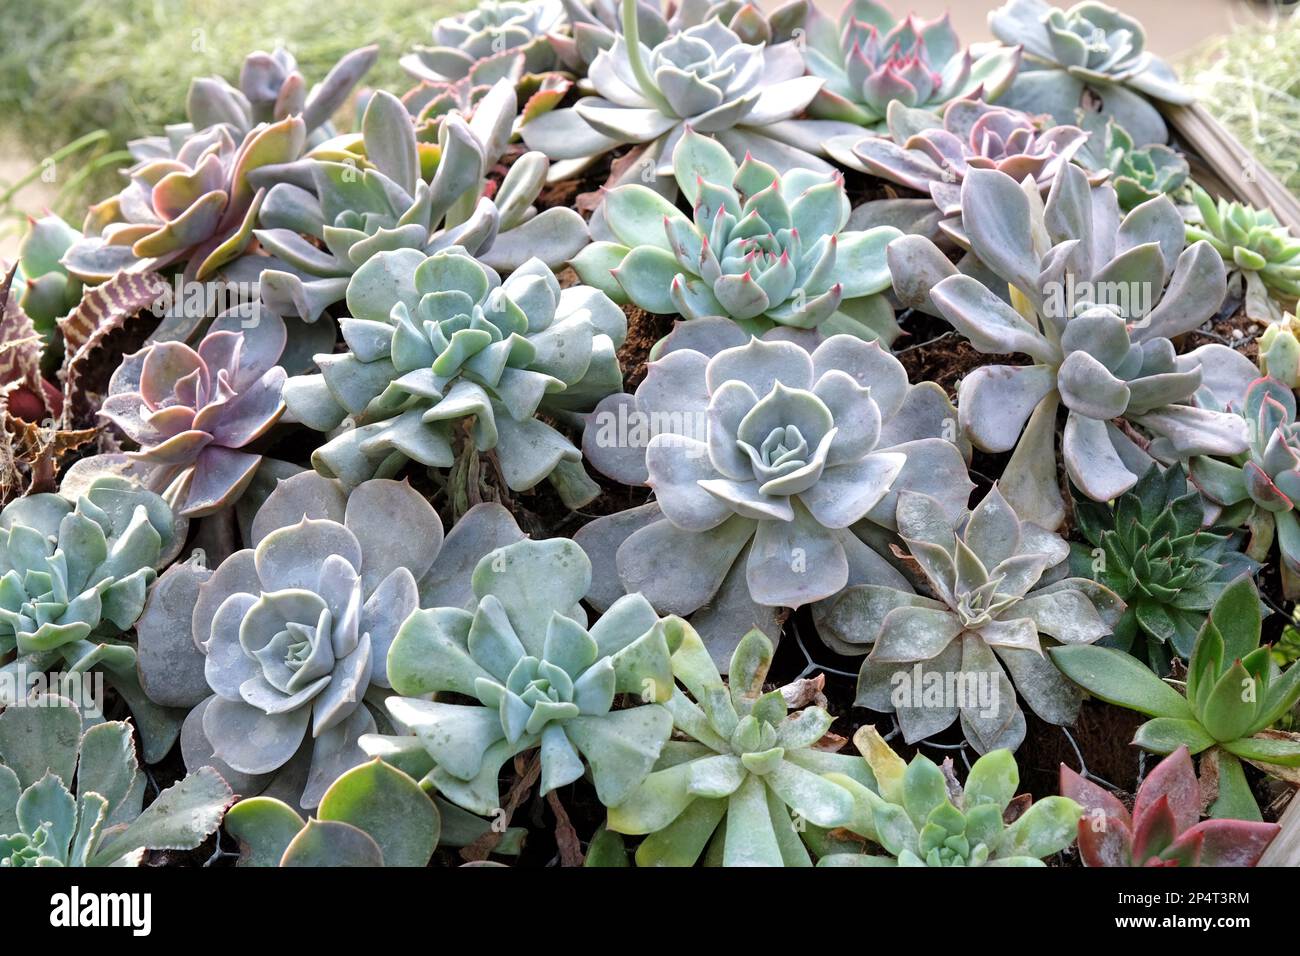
<point x="1150" y="548"/>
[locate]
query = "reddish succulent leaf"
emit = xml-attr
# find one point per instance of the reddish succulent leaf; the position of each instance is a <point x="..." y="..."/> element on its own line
<point x="1232" y="842"/>
<point x="1091" y="797"/>
<point x="1173" y="778"/>
<point x="1185" y="851"/>
<point x="1104" y="840"/>
<point x="1154" y="831"/>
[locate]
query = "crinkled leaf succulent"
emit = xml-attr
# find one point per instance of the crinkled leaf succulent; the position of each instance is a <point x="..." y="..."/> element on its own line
<point x="372" y="815"/>
<point x="1261" y="489"/>
<point x="45" y="821"/>
<point x="192" y="410"/>
<point x="994" y="607"/>
<point x="922" y="817"/>
<point x="1094" y="299"/>
<point x="541" y="677"/>
<point x="1260" y="252"/>
<point x="770" y="465"/>
<point x="364" y="194"/>
<point x="761" y="248"/>
<point x="730" y="790"/>
<point x="78" y="570"/>
<point x="1165" y="827"/>
<point x="1138" y="173"/>
<point x="870" y="61"/>
<point x="1150" y="548"/>
<point x="1234" y="693"/>
<point x="295" y="629"/>
<point x="934" y="157"/>
<point x="746" y="94"/>
<point x="440" y="344"/>
<point x="1090" y="51"/>
<point x="492" y="31"/>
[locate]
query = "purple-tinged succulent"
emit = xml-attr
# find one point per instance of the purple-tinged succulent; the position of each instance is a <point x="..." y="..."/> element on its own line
<point x="293" y="632"/>
<point x="1165" y="827"/>
<point x="774" y="466"/>
<point x="933" y="156"/>
<point x="871" y="61"/>
<point x="192" y="410"/>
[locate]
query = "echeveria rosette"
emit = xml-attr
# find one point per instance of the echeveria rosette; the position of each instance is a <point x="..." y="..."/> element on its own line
<point x="1091" y="48"/>
<point x="1234" y="692"/>
<point x="991" y="613"/>
<point x="760" y="247"/>
<point x="771" y="464"/>
<point x="1261" y="488"/>
<point x="47" y="821"/>
<point x="541" y="676"/>
<point x="196" y="207"/>
<point x="494" y="30"/>
<point x="748" y="95"/>
<point x="294" y="630"/>
<point x="1165" y="826"/>
<point x="920" y="816"/>
<point x="1138" y="173"/>
<point x="1151" y="547"/>
<point x="75" y="571"/>
<point x="1259" y="252"/>
<point x="192" y="411"/>
<point x="870" y="61"/>
<point x="933" y="155"/>
<point x="729" y="789"/>
<point x="440" y="343"/>
<point x="387" y="188"/>
<point x="1094" y="299"/>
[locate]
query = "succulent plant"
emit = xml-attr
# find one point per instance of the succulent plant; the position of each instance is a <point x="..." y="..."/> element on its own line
<point x="1261" y="488"/>
<point x="440" y="344"/>
<point x="1090" y="51"/>
<point x="1150" y="548"/>
<point x="1260" y="253"/>
<point x="1233" y="694"/>
<point x="731" y="790"/>
<point x="45" y="821"/>
<point x="196" y="206"/>
<point x="769" y="465"/>
<point x="1138" y="173"/>
<point x="368" y="193"/>
<point x="746" y="94"/>
<point x="1095" y="298"/>
<point x="192" y="410"/>
<point x="933" y="156"/>
<point x="870" y="61"/>
<point x="922" y="817"/>
<point x="77" y="570"/>
<point x="761" y="248"/>
<point x="1279" y="351"/>
<point x="270" y="89"/>
<point x="27" y="393"/>
<point x="992" y="612"/>
<point x="541" y="679"/>
<point x="46" y="292"/>
<point x="1165" y="827"/>
<point x="372" y="815"/>
<point x="494" y="30"/>
<point x="294" y="630"/>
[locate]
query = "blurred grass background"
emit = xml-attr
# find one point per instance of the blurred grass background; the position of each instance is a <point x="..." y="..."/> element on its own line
<point x="71" y="68"/>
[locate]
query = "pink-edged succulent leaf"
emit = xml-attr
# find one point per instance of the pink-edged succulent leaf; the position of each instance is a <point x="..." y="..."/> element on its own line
<point x="1175" y="779"/>
<point x="1228" y="842"/>
<point x="1154" y="831"/>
